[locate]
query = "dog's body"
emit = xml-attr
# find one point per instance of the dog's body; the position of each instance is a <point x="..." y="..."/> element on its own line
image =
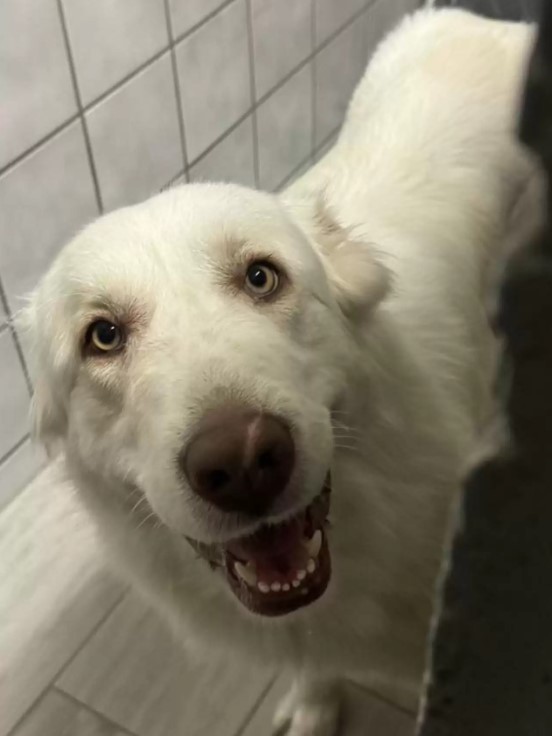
<point x="388" y="387"/>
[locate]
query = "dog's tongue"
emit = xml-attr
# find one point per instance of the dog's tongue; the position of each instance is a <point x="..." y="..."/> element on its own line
<point x="274" y="549"/>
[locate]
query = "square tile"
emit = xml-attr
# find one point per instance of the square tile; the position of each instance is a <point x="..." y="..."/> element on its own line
<point x="295" y="175"/>
<point x="330" y="15"/>
<point x="284" y="124"/>
<point x="111" y="38"/>
<point x="339" y="67"/>
<point x="45" y="199"/>
<point x="186" y="14"/>
<point x="55" y="590"/>
<point x="213" y="65"/>
<point x="135" y="136"/>
<point x="231" y="160"/>
<point x="57" y="715"/>
<point x="281" y="39"/>
<point x="19" y="469"/>
<point x="136" y="673"/>
<point x="14" y="395"/>
<point x="37" y="93"/>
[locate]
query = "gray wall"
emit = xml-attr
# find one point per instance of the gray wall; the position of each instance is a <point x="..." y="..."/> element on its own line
<point x="106" y="101"/>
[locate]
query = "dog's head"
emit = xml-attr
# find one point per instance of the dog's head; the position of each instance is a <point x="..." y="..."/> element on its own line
<point x="189" y="354"/>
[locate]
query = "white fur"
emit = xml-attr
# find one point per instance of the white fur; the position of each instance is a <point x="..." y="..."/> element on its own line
<point x="420" y="186"/>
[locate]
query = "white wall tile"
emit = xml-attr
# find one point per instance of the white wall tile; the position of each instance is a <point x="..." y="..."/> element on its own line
<point x="339" y="67"/>
<point x="135" y="137"/>
<point x="285" y="129"/>
<point x="19" y="469"/>
<point x="332" y="14"/>
<point x="281" y="39"/>
<point x="45" y="199"/>
<point x="186" y="14"/>
<point x="36" y="91"/>
<point x="213" y="65"/>
<point x="14" y="395"/>
<point x="110" y="38"/>
<point x="231" y="160"/>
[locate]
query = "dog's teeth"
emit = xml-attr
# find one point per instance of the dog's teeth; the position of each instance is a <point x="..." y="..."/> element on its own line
<point x="311" y="566"/>
<point x="263" y="587"/>
<point x="301" y="574"/>
<point x="276" y="587"/>
<point x="314" y="545"/>
<point x="246" y="573"/>
<point x="296" y="583"/>
<point x="285" y="586"/>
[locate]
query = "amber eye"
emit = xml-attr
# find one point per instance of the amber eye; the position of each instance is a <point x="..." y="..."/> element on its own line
<point x="104" y="336"/>
<point x="261" y="279"/>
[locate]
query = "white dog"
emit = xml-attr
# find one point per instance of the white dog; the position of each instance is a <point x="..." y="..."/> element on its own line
<point x="290" y="385"/>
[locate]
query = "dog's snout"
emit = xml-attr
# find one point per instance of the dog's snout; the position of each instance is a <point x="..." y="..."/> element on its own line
<point x="239" y="460"/>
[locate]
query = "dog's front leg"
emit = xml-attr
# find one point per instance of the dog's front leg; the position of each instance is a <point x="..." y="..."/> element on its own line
<point x="311" y="708"/>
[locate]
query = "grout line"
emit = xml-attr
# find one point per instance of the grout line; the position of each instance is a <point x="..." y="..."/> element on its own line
<point x="178" y="96"/>
<point x="65" y="665"/>
<point x="39" y="143"/>
<point x="382" y="699"/>
<point x="314" y="96"/>
<point x="253" y="94"/>
<point x="287" y="179"/>
<point x="88" y="107"/>
<point x="255" y="707"/>
<point x="14" y="449"/>
<point x="93" y="711"/>
<point x="10" y="326"/>
<point x="74" y="80"/>
<point x="203" y="21"/>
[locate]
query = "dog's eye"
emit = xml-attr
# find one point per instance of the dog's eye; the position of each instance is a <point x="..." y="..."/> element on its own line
<point x="104" y="336"/>
<point x="261" y="279"/>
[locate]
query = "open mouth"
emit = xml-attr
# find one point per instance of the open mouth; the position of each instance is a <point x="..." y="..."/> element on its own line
<point x="281" y="567"/>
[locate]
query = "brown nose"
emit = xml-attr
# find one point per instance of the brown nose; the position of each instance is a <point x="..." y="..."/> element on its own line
<point x="239" y="460"/>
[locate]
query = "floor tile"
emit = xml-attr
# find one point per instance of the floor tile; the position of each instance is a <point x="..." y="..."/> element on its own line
<point x="57" y="715"/>
<point x="363" y="714"/>
<point x="134" y="672"/>
<point x="54" y="591"/>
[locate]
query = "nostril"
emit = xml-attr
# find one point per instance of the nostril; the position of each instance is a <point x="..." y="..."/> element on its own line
<point x="216" y="480"/>
<point x="267" y="460"/>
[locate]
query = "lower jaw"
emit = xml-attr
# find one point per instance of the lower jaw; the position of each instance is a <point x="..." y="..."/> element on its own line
<point x="290" y="596"/>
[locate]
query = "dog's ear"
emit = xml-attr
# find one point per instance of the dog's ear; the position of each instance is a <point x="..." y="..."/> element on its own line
<point x="49" y="360"/>
<point x="358" y="280"/>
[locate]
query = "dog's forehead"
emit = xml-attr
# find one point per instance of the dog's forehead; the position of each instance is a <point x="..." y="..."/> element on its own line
<point x="180" y="236"/>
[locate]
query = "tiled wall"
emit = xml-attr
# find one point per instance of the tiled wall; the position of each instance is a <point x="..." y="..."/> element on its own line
<point x="104" y="102"/>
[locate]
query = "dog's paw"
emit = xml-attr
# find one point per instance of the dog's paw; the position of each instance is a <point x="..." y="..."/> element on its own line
<point x="312" y="713"/>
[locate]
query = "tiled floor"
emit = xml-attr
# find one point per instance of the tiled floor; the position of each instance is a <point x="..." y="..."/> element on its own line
<point x="80" y="655"/>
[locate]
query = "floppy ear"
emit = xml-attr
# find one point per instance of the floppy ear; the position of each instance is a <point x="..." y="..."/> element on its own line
<point x="49" y="360"/>
<point x="358" y="280"/>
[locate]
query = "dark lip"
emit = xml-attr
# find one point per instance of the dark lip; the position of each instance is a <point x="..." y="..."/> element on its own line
<point x="273" y="604"/>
